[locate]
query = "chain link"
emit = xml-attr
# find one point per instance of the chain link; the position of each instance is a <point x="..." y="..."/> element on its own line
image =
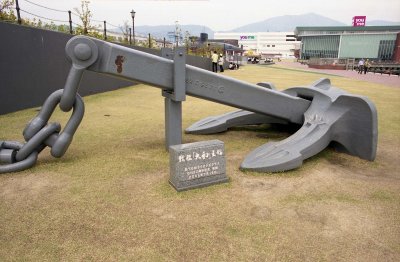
<point x="8" y="150"/>
<point x="38" y="134"/>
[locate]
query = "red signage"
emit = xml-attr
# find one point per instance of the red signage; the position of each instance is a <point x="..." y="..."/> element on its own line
<point x="359" y="20"/>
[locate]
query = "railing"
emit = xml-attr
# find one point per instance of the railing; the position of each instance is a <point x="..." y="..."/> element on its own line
<point x="390" y="69"/>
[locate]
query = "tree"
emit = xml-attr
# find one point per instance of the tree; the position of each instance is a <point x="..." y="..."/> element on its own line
<point x="85" y="15"/>
<point x="7" y="10"/>
<point x="125" y="31"/>
<point x="206" y="50"/>
<point x="151" y="42"/>
<point x="186" y="41"/>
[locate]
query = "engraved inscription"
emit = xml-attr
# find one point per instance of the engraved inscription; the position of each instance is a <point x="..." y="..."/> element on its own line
<point x="204" y="85"/>
<point x="200" y="168"/>
<point x="204" y="170"/>
<point x="198" y="156"/>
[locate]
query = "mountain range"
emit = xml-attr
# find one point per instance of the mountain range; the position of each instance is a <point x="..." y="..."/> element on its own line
<point x="286" y="23"/>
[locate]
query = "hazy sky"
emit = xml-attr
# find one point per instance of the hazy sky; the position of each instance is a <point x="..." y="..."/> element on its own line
<point x="217" y="14"/>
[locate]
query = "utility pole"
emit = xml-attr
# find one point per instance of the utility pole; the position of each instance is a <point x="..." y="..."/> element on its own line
<point x="105" y="30"/>
<point x="18" y="13"/>
<point x="133" y="26"/>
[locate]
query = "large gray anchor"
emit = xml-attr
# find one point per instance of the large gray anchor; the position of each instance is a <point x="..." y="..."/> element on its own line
<point x="333" y="116"/>
<point x="327" y="114"/>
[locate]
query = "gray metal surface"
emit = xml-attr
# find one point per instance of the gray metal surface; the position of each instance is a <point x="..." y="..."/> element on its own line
<point x="179" y="91"/>
<point x="349" y="120"/>
<point x="173" y="98"/>
<point x="8" y="150"/>
<point x="39" y="133"/>
<point x="200" y="83"/>
<point x="173" y="122"/>
<point x="221" y="123"/>
<point x="334" y="116"/>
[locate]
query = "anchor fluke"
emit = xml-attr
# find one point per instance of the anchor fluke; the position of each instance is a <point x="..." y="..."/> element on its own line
<point x="333" y="116"/>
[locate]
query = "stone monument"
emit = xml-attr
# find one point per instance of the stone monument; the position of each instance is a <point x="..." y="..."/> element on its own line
<point x="197" y="164"/>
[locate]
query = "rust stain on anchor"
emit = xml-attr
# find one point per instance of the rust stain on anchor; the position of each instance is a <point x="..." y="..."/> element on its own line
<point x="119" y="61"/>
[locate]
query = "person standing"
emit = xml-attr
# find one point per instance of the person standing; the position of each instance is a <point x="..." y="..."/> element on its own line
<point x="361" y="66"/>
<point x="366" y="66"/>
<point x="221" y="63"/>
<point x="214" y="60"/>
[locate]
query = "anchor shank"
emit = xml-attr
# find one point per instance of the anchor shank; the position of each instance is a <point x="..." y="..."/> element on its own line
<point x="157" y="71"/>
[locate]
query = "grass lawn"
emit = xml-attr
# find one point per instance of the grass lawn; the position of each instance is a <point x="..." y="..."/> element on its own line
<point x="108" y="198"/>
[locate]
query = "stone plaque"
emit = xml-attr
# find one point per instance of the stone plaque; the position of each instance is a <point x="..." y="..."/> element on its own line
<point x="197" y="164"/>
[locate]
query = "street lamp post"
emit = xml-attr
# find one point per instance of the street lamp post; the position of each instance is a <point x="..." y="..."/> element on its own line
<point x="133" y="25"/>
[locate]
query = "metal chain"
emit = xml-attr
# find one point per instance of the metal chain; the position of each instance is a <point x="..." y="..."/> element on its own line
<point x="38" y="133"/>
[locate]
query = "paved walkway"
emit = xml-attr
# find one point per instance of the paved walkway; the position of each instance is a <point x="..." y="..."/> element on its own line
<point x="392" y="80"/>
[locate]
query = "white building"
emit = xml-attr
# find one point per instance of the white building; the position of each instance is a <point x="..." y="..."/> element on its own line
<point x="266" y="44"/>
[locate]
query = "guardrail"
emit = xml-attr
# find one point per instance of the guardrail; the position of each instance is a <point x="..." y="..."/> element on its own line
<point x="385" y="69"/>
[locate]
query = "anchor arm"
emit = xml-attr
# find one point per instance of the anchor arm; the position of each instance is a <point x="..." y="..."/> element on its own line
<point x="141" y="67"/>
